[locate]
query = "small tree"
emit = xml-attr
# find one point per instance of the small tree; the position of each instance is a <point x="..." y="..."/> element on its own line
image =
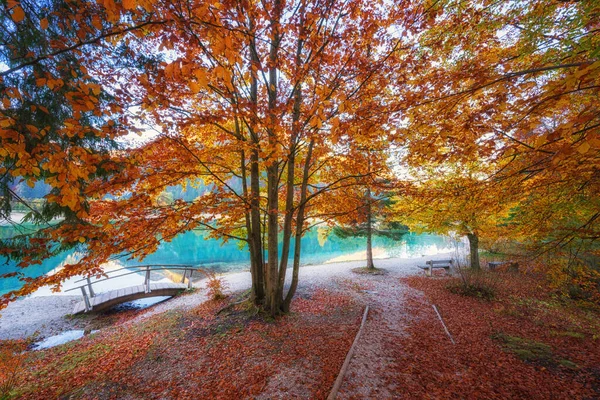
<point x="370" y="221"/>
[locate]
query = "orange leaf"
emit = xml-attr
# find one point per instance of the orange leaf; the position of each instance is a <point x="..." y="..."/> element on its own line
<point x="194" y="87"/>
<point x="18" y="14"/>
<point x="129" y="4"/>
<point x="44" y="23"/>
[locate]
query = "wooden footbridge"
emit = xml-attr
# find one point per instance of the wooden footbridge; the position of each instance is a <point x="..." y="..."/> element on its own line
<point x="93" y="301"/>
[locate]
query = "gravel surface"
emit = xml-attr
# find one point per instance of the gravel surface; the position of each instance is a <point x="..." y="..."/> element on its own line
<point x="42" y="315"/>
<point x="46" y="315"/>
<point x="369" y="374"/>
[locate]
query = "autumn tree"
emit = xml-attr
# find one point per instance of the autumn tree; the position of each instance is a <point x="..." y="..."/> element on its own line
<point x="515" y="86"/>
<point x="63" y="107"/>
<point x="460" y="201"/>
<point x="271" y="104"/>
<point x="268" y="104"/>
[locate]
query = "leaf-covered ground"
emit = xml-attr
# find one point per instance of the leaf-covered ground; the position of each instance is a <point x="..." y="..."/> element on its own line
<point x="201" y="354"/>
<point x="522" y="344"/>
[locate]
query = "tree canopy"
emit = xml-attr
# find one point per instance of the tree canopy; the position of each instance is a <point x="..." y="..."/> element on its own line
<point x="281" y="108"/>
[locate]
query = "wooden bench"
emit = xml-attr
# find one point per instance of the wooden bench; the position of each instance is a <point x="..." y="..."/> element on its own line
<point x="512" y="265"/>
<point x="432" y="264"/>
<point x="492" y="265"/>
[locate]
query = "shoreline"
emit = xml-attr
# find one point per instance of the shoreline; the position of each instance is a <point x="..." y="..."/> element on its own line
<point x="45" y="315"/>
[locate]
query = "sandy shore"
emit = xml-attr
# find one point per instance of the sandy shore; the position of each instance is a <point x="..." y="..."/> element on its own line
<point x="45" y="315"/>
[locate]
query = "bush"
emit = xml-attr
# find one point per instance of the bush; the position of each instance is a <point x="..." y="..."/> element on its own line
<point x="11" y="360"/>
<point x="475" y="283"/>
<point x="215" y="285"/>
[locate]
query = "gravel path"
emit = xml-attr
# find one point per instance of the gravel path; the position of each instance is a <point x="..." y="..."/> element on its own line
<point x="369" y="374"/>
<point x="46" y="315"/>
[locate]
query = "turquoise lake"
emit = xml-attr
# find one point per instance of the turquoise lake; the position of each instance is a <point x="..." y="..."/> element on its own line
<point x="192" y="248"/>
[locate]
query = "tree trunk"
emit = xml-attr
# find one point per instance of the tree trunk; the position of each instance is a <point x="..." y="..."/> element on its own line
<point x="370" y="263"/>
<point x="474" y="250"/>
<point x="274" y="301"/>
<point x="290" y="184"/>
<point x="255" y="242"/>
<point x="299" y="227"/>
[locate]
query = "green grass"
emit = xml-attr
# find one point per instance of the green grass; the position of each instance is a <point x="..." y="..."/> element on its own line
<point x="531" y="351"/>
<point x="572" y="334"/>
<point x="525" y="349"/>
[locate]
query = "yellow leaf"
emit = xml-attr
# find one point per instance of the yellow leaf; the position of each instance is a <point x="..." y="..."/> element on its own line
<point x="44" y="23"/>
<point x="97" y="22"/>
<point x="81" y="239"/>
<point x="18" y="14"/>
<point x="335" y="122"/>
<point x="583" y="148"/>
<point x="539" y="142"/>
<point x="5" y="122"/>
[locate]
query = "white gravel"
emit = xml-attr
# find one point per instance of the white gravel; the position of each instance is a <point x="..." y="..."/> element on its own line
<point x="43" y="315"/>
<point x="46" y="315"/>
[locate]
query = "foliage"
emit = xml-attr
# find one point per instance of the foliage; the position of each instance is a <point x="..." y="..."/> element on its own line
<point x="511" y="88"/>
<point x="289" y="112"/>
<point x="215" y="285"/>
<point x="11" y="363"/>
<point x="574" y="279"/>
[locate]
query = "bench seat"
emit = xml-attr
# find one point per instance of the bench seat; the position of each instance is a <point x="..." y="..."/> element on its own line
<point x="432" y="264"/>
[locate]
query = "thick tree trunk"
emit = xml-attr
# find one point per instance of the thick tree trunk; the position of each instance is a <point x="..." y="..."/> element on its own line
<point x="474" y="250"/>
<point x="370" y="263"/>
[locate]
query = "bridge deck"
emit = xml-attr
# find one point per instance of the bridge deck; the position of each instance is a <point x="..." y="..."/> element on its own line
<point x="114" y="297"/>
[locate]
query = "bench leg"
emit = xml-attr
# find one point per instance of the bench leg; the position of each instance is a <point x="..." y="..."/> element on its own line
<point x="447" y="269"/>
<point x="428" y="271"/>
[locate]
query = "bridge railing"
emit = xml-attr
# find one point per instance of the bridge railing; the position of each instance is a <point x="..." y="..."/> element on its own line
<point x="188" y="271"/>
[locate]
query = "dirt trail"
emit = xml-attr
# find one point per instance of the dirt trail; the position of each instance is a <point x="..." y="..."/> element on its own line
<point x="370" y="373"/>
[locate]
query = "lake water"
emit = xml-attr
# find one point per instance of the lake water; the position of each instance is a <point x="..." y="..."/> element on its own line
<point x="192" y="248"/>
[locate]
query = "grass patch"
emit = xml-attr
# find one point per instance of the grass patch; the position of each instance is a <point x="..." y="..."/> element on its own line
<point x="532" y="352"/>
<point x="571" y="334"/>
<point x="369" y="271"/>
<point x="493" y="256"/>
<point x="568" y="364"/>
<point x="525" y="349"/>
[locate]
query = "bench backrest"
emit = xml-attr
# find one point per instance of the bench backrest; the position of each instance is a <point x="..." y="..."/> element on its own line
<point x="434" y="262"/>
